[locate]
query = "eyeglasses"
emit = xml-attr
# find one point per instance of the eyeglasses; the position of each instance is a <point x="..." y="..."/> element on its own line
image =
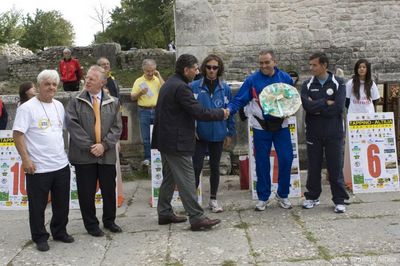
<point x="212" y="67"/>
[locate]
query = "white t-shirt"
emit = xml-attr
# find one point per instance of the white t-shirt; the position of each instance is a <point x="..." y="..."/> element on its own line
<point x="43" y="138"/>
<point x="363" y="105"/>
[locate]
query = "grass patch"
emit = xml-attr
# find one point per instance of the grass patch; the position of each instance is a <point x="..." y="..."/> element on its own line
<point x="371" y="253"/>
<point x="324" y="253"/>
<point x="395" y="200"/>
<point x="175" y="263"/>
<point x="310" y="237"/>
<point x="126" y="78"/>
<point x="242" y="225"/>
<point x="228" y="263"/>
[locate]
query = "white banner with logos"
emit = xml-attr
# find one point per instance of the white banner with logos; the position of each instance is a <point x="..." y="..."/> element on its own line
<point x="13" y="195"/>
<point x="372" y="151"/>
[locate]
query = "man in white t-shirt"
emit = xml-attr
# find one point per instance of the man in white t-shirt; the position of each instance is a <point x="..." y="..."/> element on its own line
<point x="38" y="135"/>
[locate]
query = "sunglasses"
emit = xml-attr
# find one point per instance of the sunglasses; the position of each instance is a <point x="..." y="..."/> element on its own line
<point x="212" y="67"/>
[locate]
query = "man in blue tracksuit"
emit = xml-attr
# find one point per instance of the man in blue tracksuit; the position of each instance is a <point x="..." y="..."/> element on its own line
<point x="267" y="130"/>
<point x="323" y="97"/>
<point x="212" y="92"/>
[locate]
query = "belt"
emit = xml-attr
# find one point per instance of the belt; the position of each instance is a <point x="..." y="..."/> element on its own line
<point x="147" y="107"/>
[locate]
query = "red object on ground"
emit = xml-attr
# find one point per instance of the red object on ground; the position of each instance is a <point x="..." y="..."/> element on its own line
<point x="244" y="172"/>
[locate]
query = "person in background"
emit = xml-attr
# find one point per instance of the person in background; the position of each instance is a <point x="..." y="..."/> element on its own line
<point x="212" y="91"/>
<point x="323" y="98"/>
<point x="27" y="90"/>
<point x="267" y="130"/>
<point x="94" y="124"/>
<point x="145" y="91"/>
<point x="362" y="94"/>
<point x="70" y="71"/>
<point x="38" y="134"/>
<point x="112" y="88"/>
<point x="3" y="115"/>
<point x="112" y="84"/>
<point x="174" y="137"/>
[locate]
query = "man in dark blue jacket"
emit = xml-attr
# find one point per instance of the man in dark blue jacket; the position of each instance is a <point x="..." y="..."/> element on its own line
<point x="174" y="137"/>
<point x="212" y="92"/>
<point x="267" y="130"/>
<point x="323" y="97"/>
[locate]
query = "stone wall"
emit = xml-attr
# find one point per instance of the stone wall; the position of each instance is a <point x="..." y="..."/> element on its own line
<point x="345" y="29"/>
<point x="18" y="69"/>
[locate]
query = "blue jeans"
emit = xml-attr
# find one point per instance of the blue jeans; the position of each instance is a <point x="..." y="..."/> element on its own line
<point x="146" y="118"/>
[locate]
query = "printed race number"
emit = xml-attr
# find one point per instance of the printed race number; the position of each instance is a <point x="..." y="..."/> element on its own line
<point x="374" y="162"/>
<point x="19" y="180"/>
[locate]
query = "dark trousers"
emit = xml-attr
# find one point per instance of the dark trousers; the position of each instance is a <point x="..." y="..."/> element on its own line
<point x="71" y="85"/>
<point x="214" y="150"/>
<point x="333" y="149"/>
<point x="178" y="171"/>
<point x="38" y="187"/>
<point x="87" y="176"/>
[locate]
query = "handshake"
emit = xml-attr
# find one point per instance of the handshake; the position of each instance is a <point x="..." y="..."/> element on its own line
<point x="226" y="113"/>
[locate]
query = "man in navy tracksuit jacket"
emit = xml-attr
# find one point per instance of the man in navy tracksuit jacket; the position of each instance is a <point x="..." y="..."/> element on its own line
<point x="212" y="92"/>
<point x="323" y="97"/>
<point x="264" y="135"/>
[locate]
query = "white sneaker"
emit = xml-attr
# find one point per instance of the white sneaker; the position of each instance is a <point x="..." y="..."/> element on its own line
<point x="146" y="162"/>
<point x="283" y="202"/>
<point x="340" y="208"/>
<point x="214" y="207"/>
<point x="261" y="205"/>
<point x="309" y="204"/>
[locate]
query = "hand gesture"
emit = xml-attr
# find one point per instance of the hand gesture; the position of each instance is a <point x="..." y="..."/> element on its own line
<point x="226" y="113"/>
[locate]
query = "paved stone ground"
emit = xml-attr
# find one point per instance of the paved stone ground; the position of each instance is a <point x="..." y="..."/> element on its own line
<point x="367" y="234"/>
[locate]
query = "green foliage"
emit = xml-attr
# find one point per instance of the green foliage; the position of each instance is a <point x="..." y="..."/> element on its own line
<point x="11" y="28"/>
<point x="126" y="78"/>
<point x="45" y="29"/>
<point x="140" y="24"/>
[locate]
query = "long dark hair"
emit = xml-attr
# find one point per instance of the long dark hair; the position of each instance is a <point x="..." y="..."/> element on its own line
<point x="23" y="88"/>
<point x="368" y="79"/>
<point x="208" y="59"/>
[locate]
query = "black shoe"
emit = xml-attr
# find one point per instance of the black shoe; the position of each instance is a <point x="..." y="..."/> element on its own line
<point x="96" y="232"/>
<point x="42" y="246"/>
<point x="174" y="219"/>
<point x="113" y="228"/>
<point x="65" y="238"/>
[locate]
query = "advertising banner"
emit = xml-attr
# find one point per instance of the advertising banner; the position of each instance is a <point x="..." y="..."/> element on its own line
<point x="372" y="152"/>
<point x="13" y="195"/>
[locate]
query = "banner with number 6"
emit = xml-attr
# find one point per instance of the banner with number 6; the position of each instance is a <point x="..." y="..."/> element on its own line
<point x="372" y="149"/>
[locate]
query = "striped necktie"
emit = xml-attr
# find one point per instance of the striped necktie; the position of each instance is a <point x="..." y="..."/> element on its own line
<point x="97" y="125"/>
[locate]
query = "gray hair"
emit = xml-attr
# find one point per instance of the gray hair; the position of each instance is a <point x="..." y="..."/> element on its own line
<point x="66" y="50"/>
<point x="149" y="62"/>
<point x="48" y="74"/>
<point x="100" y="70"/>
<point x="267" y="51"/>
<point x="101" y="59"/>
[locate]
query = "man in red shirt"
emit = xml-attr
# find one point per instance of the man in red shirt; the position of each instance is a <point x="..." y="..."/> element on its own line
<point x="70" y="71"/>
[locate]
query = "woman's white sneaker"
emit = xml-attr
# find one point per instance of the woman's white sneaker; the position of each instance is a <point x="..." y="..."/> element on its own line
<point x="214" y="207"/>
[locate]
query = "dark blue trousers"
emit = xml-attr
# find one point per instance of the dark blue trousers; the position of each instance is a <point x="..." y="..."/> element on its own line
<point x="333" y="149"/>
<point x="283" y="146"/>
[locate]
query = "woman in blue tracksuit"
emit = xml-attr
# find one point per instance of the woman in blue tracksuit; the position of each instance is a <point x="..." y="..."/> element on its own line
<point x="212" y="92"/>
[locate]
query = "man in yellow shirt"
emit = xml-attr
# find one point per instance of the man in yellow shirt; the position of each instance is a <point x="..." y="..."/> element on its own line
<point x="145" y="91"/>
